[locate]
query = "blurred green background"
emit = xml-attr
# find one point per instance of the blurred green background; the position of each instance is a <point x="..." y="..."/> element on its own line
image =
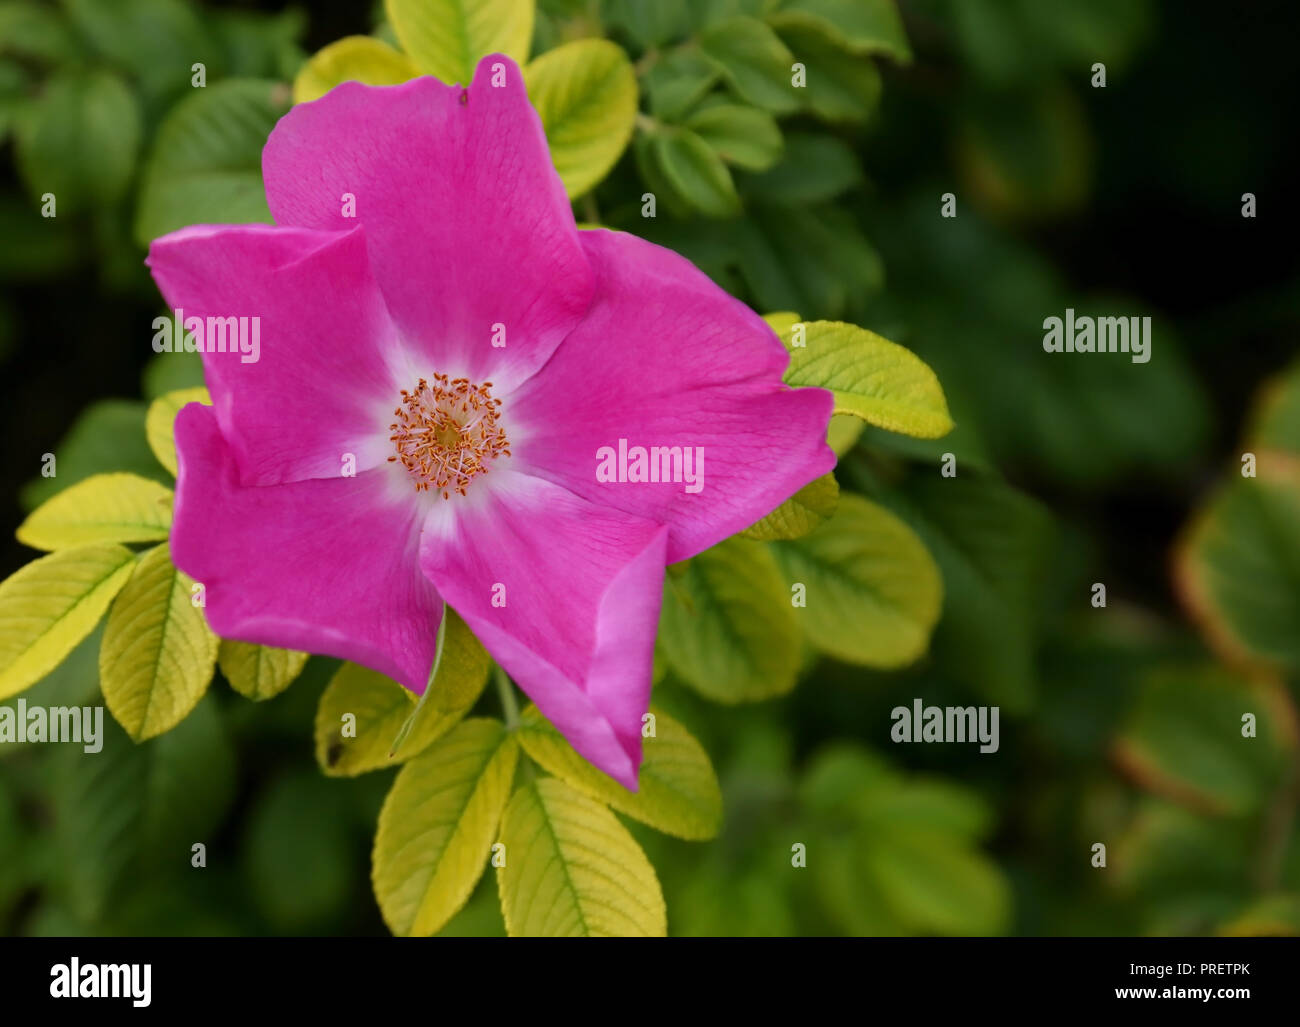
<point x="1119" y="725"/>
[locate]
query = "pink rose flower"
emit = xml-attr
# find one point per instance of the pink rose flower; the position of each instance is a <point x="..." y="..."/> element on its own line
<point x="442" y="357"/>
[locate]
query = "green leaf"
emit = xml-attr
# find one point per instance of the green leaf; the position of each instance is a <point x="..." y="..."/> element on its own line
<point x="721" y="900"/>
<point x="859" y="26"/>
<point x="572" y="870"/>
<point x="157" y="40"/>
<point x="259" y="44"/>
<point x="695" y="172"/>
<point x="850" y="896"/>
<point x="382" y="708"/>
<point x="679" y="82"/>
<point x="992" y="545"/>
<point x="814" y="168"/>
<point x="79" y="140"/>
<point x="74" y="682"/>
<point x="870" y="377"/>
<point x="743" y="136"/>
<point x="14" y="84"/>
<point x="294" y="823"/>
<point x="804" y="258"/>
<point x="438" y="824"/>
<point x="51" y="604"/>
<point x="351" y="59"/>
<point x="933" y="805"/>
<point x="1184" y="739"/>
<point x="874" y="838"/>
<point x="586" y="95"/>
<point x="259" y="672"/>
<point x="35" y="31"/>
<point x="1015" y="43"/>
<point x="645" y="153"/>
<point x="171" y="372"/>
<point x="934" y="885"/>
<point x="15" y="873"/>
<point x="1275" y="417"/>
<point x="755" y="62"/>
<point x="1191" y="867"/>
<point x="840" y="87"/>
<point x="873" y="591"/>
<point x="206" y="164"/>
<point x="843" y="779"/>
<point x="799" y="514"/>
<point x="1152" y="425"/>
<point x="648" y="22"/>
<point x="446" y="38"/>
<point x="104" y="508"/>
<point x="727" y="627"/>
<point x="1238" y="567"/>
<point x="107" y="436"/>
<point x="677" y="791"/>
<point x="138" y="808"/>
<point x="158" y="653"/>
<point x="159" y="422"/>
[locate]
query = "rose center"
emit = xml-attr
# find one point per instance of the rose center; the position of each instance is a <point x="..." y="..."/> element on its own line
<point x="447" y="432"/>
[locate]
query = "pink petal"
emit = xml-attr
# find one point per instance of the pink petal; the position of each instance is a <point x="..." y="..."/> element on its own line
<point x="582" y="587"/>
<point x="327" y="567"/>
<point x="466" y="219"/>
<point x="319" y="387"/>
<point x="666" y="358"/>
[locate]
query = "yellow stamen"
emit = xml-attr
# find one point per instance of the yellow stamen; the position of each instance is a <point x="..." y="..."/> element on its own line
<point x="447" y="433"/>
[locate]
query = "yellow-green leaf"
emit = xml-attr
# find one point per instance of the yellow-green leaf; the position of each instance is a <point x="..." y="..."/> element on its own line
<point x="118" y="507"/>
<point x="799" y="514"/>
<point x="870" y="377"/>
<point x="362" y="712"/>
<point x="160" y="421"/>
<point x="438" y="824"/>
<point x="572" y="870"/>
<point x="50" y="605"/>
<point x="352" y="59"/>
<point x="678" y="791"/>
<point x="873" y="591"/>
<point x="727" y="627"/>
<point x="259" y="672"/>
<point x="446" y="38"/>
<point x="158" y="653"/>
<point x="843" y="432"/>
<point x="782" y="321"/>
<point x="586" y="95"/>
